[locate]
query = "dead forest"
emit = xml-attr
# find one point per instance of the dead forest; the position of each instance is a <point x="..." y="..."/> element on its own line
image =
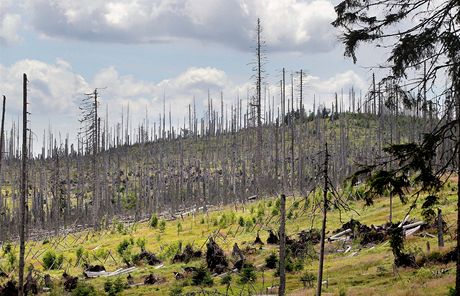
<point x="231" y="154"/>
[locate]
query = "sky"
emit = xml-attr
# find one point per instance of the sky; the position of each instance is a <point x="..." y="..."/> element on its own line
<point x="141" y="51"/>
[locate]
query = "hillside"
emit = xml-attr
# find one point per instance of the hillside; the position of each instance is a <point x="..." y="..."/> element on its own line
<point x="71" y="189"/>
<point x="361" y="270"/>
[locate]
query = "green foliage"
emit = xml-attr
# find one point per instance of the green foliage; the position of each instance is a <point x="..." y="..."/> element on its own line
<point x="129" y="201"/>
<point x="397" y="247"/>
<point x="247" y="274"/>
<point x="123" y="246"/>
<point x="84" y="289"/>
<point x="11" y="259"/>
<point x="179" y="228"/>
<point x="308" y="279"/>
<point x="249" y="225"/>
<point x="226" y="280"/>
<point x="7" y="248"/>
<point x="271" y="261"/>
<point x="153" y="221"/>
<point x="141" y="242"/>
<point x="51" y="260"/>
<point x="169" y="250"/>
<point x="100" y="253"/>
<point x="452" y="292"/>
<point x="113" y="288"/>
<point x="175" y="291"/>
<point x="428" y="208"/>
<point x="162" y="226"/>
<point x="241" y="221"/>
<point x="202" y="277"/>
<point x="124" y="249"/>
<point x="223" y="221"/>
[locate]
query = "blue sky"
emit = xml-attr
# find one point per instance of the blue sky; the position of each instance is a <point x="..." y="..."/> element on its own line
<point x="140" y="49"/>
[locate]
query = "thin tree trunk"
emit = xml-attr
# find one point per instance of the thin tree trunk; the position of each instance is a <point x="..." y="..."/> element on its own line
<point x="22" y="205"/>
<point x="282" y="233"/>
<point x="323" y="228"/>
<point x="440" y="234"/>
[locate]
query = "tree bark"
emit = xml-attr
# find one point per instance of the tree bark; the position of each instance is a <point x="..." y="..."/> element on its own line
<point x="22" y="204"/>
<point x="282" y="232"/>
<point x="323" y="228"/>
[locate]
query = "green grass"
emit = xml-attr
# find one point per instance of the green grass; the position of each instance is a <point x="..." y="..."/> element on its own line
<point x="369" y="272"/>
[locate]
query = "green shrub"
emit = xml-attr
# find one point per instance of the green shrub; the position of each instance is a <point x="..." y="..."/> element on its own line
<point x="141" y="242"/>
<point x="51" y="260"/>
<point x="113" y="288"/>
<point x="175" y="291"/>
<point x="226" y="280"/>
<point x="241" y="221"/>
<point x="84" y="289"/>
<point x="308" y="279"/>
<point x="123" y="246"/>
<point x="271" y="261"/>
<point x="452" y="291"/>
<point x="162" y="226"/>
<point x="248" y="274"/>
<point x="154" y="221"/>
<point x="202" y="277"/>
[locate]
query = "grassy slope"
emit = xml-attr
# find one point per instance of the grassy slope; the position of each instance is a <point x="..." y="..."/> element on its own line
<point x="370" y="272"/>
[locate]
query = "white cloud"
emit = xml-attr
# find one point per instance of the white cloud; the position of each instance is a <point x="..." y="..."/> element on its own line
<point x="55" y="93"/>
<point x="10" y="23"/>
<point x="289" y="25"/>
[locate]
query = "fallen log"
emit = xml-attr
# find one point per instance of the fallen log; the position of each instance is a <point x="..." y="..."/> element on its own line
<point x="412" y="225"/>
<point x="412" y="231"/>
<point x="336" y="236"/>
<point x="92" y="274"/>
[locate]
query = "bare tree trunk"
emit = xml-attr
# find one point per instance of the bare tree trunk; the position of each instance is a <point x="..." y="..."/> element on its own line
<point x="22" y="204"/>
<point x="323" y="228"/>
<point x="282" y="233"/>
<point x="2" y="132"/>
<point x="440" y="234"/>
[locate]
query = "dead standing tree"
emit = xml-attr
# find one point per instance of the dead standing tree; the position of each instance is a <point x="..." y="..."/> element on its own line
<point x="90" y="133"/>
<point x="22" y="205"/>
<point x="257" y="100"/>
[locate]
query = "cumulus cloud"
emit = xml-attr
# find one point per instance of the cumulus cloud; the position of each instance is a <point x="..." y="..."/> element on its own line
<point x="10" y="23"/>
<point x="55" y="92"/>
<point x="289" y="25"/>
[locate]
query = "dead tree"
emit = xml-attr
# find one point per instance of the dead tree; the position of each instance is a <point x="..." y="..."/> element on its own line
<point x="22" y="202"/>
<point x="323" y="226"/>
<point x="282" y="231"/>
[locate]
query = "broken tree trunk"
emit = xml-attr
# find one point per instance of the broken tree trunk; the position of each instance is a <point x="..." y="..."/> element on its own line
<point x="440" y="233"/>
